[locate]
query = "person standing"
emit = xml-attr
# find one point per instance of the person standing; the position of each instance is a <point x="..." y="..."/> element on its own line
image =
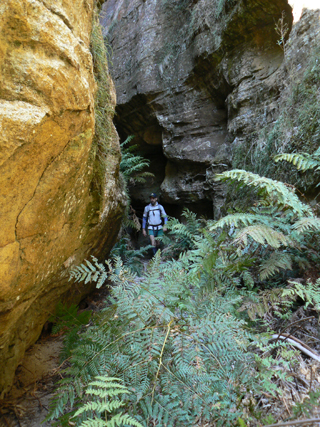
<point x="152" y="221"/>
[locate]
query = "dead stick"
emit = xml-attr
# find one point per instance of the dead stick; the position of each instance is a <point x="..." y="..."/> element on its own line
<point x="294" y="323"/>
<point x="299" y="341"/>
<point x="293" y="342"/>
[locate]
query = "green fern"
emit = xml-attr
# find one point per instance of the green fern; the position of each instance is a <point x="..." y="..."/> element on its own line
<point x="130" y="256"/>
<point x="262" y="234"/>
<point x="90" y="271"/>
<point x="275" y="193"/>
<point x="132" y="164"/>
<point x="235" y="220"/>
<point x="178" y="337"/>
<point x="181" y="234"/>
<point x="307" y="224"/>
<point x="308" y="293"/>
<point x="302" y="161"/>
<point x="183" y="352"/>
<point x="276" y="262"/>
<point x="278" y="220"/>
<point x="105" y="392"/>
<point x="67" y="320"/>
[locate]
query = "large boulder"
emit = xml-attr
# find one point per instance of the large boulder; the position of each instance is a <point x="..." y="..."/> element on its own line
<point x="51" y="214"/>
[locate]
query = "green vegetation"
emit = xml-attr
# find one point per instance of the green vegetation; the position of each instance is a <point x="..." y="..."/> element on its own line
<point x="132" y="169"/>
<point x="99" y="411"/>
<point x="132" y="164"/>
<point x="103" y="151"/>
<point x="190" y="339"/>
<point x="67" y="320"/>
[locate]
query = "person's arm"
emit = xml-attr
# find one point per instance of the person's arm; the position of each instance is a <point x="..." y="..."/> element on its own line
<point x="144" y="222"/>
<point x="165" y="217"/>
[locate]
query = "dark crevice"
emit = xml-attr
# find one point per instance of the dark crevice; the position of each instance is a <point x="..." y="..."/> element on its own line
<point x="58" y="13"/>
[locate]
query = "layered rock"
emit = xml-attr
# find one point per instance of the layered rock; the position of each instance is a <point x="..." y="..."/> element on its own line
<point x="184" y="68"/>
<point x="51" y="217"/>
<point x="199" y="79"/>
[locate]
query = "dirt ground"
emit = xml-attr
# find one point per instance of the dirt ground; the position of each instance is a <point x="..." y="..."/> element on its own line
<point x="36" y="376"/>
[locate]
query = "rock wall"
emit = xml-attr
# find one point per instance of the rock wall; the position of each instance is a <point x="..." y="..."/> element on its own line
<point x="51" y="217"/>
<point x="196" y="80"/>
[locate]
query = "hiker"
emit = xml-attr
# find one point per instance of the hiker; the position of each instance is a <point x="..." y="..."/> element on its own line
<point x="152" y="220"/>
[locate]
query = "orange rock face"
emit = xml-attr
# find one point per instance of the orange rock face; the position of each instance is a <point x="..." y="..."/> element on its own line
<point x="51" y="217"/>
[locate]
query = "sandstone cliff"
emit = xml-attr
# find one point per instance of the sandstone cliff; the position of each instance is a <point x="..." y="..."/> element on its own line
<point x="51" y="215"/>
<point x="197" y="81"/>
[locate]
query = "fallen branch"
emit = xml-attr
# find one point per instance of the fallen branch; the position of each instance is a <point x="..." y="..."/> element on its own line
<point x="294" y="323"/>
<point x="297" y="344"/>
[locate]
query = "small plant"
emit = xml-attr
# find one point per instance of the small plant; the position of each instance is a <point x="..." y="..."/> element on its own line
<point x="100" y="407"/>
<point x="282" y="29"/>
<point x="68" y="321"/>
<point x="132" y="164"/>
<point x="130" y="256"/>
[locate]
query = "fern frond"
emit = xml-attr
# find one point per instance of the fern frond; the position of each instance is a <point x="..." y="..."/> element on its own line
<point x="276" y="262"/>
<point x="99" y="407"/>
<point x="104" y="387"/>
<point x="276" y="192"/>
<point x="302" y="161"/>
<point x="309" y="292"/>
<point x="234" y="220"/>
<point x="123" y="420"/>
<point x="132" y="165"/>
<point x="307" y="224"/>
<point x="263" y="235"/>
<point x="96" y="272"/>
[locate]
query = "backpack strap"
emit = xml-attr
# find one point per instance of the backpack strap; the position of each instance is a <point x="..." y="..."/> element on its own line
<point x="147" y="222"/>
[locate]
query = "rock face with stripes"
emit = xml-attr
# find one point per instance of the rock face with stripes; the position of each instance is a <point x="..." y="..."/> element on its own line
<point x="196" y="80"/>
<point x="51" y="215"/>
